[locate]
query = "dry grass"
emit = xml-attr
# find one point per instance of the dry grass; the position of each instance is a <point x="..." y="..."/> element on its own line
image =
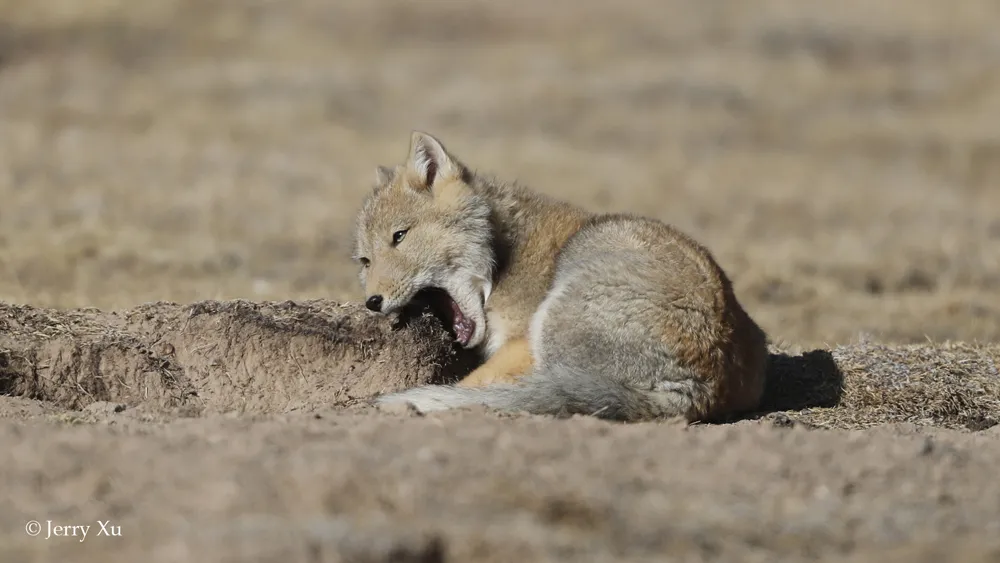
<point x="954" y="385"/>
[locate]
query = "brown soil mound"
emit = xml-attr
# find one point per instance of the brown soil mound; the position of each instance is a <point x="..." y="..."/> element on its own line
<point x="264" y="358"/>
<point x="220" y="356"/>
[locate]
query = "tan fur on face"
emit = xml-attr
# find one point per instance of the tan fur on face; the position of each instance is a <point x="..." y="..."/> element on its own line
<point x="448" y="240"/>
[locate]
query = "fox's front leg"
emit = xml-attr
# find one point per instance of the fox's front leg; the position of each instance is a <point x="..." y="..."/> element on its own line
<point x="512" y="361"/>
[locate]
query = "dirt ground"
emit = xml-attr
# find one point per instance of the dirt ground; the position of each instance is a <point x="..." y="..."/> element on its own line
<point x="181" y="354"/>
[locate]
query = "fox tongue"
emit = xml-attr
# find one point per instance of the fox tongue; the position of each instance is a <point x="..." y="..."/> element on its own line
<point x="463" y="326"/>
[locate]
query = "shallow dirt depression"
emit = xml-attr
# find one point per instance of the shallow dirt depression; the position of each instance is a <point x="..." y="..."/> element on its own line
<point x="214" y="357"/>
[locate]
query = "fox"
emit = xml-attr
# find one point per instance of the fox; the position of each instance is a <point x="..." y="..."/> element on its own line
<point x="612" y="315"/>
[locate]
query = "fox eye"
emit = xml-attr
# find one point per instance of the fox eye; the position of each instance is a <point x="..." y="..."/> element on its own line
<point x="397" y="237"/>
<point x="364" y="262"/>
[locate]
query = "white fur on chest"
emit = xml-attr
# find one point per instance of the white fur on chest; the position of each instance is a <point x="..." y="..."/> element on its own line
<point x="538" y="319"/>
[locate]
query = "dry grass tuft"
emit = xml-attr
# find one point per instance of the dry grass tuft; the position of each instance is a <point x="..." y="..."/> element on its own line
<point x="953" y="385"/>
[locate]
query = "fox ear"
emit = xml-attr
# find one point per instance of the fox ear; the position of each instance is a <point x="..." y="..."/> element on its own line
<point x="384" y="175"/>
<point x="429" y="161"/>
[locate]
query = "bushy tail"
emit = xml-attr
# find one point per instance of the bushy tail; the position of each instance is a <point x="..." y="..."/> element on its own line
<point x="560" y="391"/>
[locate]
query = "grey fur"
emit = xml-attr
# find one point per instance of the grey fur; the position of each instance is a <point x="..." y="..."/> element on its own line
<point x="624" y="300"/>
<point x="560" y="392"/>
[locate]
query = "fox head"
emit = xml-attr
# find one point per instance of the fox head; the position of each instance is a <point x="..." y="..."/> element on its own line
<point x="424" y="226"/>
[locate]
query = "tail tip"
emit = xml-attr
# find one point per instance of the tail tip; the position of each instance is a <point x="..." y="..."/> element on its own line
<point x="391" y="404"/>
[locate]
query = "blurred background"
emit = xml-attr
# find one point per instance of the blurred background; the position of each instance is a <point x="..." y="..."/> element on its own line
<point x="842" y="160"/>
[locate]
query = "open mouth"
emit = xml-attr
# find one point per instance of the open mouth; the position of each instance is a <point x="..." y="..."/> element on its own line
<point x="447" y="310"/>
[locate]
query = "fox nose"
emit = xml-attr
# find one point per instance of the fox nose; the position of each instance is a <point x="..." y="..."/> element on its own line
<point x="374" y="303"/>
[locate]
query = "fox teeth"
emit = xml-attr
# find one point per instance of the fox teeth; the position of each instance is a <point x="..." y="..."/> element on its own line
<point x="464" y="329"/>
<point x="463" y="326"/>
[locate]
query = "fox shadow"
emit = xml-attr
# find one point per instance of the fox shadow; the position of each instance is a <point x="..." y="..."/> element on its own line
<point x="796" y="382"/>
<point x="8" y="374"/>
